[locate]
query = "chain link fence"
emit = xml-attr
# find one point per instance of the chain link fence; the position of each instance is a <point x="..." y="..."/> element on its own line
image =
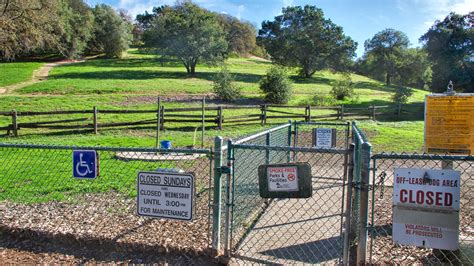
<point x="40" y="200"/>
<point x="348" y="217"/>
<point x="245" y="202"/>
<point x="382" y="249"/>
<point x="288" y="230"/>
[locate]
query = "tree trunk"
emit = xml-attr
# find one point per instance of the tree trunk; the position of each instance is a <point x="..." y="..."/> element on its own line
<point x="187" y="67"/>
<point x="193" y="69"/>
<point x="387" y="79"/>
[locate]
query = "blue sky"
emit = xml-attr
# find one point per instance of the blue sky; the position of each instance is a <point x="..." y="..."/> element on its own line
<point x="361" y="19"/>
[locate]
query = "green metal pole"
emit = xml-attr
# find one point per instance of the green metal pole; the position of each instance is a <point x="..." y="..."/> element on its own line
<point x="289" y="140"/>
<point x="216" y="213"/>
<point x="229" y="201"/>
<point x="364" y="203"/>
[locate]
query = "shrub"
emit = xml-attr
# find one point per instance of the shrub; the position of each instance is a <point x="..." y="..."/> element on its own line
<point x="402" y="94"/>
<point x="276" y="86"/>
<point x="343" y="87"/>
<point x="324" y="100"/>
<point x="224" y="86"/>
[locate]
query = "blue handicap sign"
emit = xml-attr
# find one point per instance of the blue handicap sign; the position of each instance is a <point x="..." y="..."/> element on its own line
<point x="85" y="164"/>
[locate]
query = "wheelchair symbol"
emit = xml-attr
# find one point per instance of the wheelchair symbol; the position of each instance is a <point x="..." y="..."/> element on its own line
<point x="82" y="168"/>
<point x="85" y="164"/>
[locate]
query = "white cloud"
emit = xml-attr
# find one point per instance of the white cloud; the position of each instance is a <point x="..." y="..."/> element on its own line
<point x="135" y="7"/>
<point x="240" y="10"/>
<point x="288" y="3"/>
<point x="438" y="9"/>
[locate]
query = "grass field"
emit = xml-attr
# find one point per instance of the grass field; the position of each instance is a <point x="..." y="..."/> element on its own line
<point x="135" y="81"/>
<point x="12" y="73"/>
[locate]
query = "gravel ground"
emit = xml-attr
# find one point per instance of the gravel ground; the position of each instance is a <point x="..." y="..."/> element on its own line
<point x="99" y="228"/>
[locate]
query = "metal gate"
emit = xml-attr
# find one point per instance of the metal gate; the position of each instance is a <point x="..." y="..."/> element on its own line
<point x="288" y="231"/>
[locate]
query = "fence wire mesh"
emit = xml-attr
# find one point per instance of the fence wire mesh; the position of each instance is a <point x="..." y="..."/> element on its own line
<point x="40" y="200"/>
<point x="382" y="249"/>
<point x="279" y="135"/>
<point x="246" y="200"/>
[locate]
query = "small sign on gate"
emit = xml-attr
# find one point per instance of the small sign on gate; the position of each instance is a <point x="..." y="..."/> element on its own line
<point x="290" y="180"/>
<point x="324" y="138"/>
<point x="426" y="208"/>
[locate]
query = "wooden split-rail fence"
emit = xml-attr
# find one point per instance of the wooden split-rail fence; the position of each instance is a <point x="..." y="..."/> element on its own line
<point x="261" y="114"/>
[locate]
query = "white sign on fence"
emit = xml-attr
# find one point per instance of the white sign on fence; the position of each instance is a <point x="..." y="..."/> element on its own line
<point x="426" y="208"/>
<point x="165" y="195"/>
<point x="324" y="138"/>
<point x="282" y="178"/>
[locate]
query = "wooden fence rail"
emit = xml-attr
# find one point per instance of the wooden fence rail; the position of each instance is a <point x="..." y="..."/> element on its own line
<point x="179" y="115"/>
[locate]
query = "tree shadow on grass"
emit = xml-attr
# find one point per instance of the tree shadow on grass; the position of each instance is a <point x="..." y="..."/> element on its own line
<point x="149" y="74"/>
<point x="376" y="86"/>
<point x="312" y="80"/>
<point x="128" y="63"/>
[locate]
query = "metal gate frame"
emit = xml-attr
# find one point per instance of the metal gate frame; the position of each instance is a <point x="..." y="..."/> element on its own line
<point x="354" y="155"/>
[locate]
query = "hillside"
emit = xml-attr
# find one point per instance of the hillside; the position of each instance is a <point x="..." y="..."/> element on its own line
<point x="136" y="80"/>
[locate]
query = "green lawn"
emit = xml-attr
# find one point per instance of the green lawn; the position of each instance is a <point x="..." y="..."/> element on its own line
<point x="135" y="81"/>
<point x="11" y="73"/>
<point x="147" y="74"/>
<point x="404" y="136"/>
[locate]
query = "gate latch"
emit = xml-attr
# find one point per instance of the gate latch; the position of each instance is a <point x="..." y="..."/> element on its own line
<point x="224" y="170"/>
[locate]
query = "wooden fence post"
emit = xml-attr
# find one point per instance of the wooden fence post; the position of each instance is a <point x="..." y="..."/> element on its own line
<point x="342" y="111"/>
<point x="203" y="120"/>
<point x="264" y="115"/>
<point x="309" y="113"/>
<point x="399" y="108"/>
<point x="373" y="112"/>
<point x="15" y="123"/>
<point x="96" y="126"/>
<point x="219" y="117"/>
<point x="306" y="114"/>
<point x="158" y="123"/>
<point x="162" y="120"/>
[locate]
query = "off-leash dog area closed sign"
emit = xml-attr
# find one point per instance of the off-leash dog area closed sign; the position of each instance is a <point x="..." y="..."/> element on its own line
<point x="426" y="208"/>
<point x="165" y="195"/>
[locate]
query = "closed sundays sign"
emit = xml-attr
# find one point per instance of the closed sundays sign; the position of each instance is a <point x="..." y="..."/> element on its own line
<point x="165" y="195"/>
<point x="426" y="208"/>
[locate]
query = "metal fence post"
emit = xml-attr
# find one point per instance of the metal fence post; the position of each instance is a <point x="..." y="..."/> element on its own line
<point x="365" y="153"/>
<point x="289" y="140"/>
<point x="267" y="151"/>
<point x="228" y="217"/>
<point x="216" y="211"/>
<point x="349" y="235"/>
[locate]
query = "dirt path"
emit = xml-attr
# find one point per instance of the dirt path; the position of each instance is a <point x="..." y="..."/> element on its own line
<point x="39" y="75"/>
